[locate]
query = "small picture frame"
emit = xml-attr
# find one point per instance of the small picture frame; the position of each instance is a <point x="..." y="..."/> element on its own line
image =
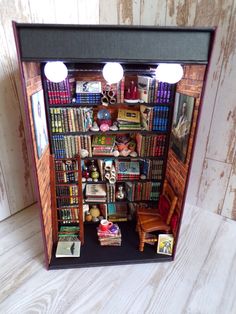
<point x="181" y="127"/>
<point x="165" y="244"/>
<point x="40" y="125"/>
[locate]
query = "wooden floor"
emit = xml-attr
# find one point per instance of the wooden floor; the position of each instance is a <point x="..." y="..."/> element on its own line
<point x="201" y="280"/>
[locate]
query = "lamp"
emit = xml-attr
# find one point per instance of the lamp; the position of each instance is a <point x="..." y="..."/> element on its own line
<point x="169" y="72"/>
<point x="55" y="71"/>
<point x="112" y="72"/>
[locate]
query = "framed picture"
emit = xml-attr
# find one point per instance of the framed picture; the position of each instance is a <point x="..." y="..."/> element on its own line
<point x="40" y="128"/>
<point x="165" y="244"/>
<point x="182" y="120"/>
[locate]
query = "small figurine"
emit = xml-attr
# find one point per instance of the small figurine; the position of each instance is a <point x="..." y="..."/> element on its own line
<point x="95" y="174"/>
<point x="95" y="127"/>
<point x="85" y="173"/>
<point x="95" y="213"/>
<point x="104" y="127"/>
<point x="133" y="154"/>
<point x="120" y="194"/>
<point x="84" y="153"/>
<point x="116" y="153"/>
<point x="114" y="127"/>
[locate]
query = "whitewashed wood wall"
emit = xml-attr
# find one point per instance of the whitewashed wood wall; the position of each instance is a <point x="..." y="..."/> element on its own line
<point x="213" y="177"/>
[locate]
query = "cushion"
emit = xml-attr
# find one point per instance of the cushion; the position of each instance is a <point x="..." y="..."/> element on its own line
<point x="163" y="207"/>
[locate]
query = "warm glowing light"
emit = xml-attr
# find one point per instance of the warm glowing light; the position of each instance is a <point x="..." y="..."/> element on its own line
<point x="112" y="72"/>
<point x="169" y="73"/>
<point x="55" y="71"/>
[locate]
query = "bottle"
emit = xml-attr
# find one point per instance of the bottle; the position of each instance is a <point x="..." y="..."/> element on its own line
<point x="120" y="194"/>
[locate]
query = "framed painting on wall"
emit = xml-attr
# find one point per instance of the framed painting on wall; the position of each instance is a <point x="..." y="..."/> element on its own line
<point x="182" y="120"/>
<point x="39" y="116"/>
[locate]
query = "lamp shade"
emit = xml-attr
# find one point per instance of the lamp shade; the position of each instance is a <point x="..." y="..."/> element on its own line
<point x="112" y="72"/>
<point x="169" y="73"/>
<point x="55" y="71"/>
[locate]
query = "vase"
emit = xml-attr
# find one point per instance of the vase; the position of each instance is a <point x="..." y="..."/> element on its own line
<point x="120" y="194"/>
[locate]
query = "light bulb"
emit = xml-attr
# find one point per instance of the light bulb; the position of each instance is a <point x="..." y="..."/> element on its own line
<point x="169" y="73"/>
<point x="112" y="72"/>
<point x="55" y="71"/>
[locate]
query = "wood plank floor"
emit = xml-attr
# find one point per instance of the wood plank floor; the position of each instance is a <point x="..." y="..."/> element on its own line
<point x="200" y="280"/>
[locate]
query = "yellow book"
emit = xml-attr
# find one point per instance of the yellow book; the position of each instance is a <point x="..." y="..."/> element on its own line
<point x="127" y="115"/>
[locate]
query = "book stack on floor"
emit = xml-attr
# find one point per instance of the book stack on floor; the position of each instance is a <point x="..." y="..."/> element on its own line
<point x="109" y="237"/>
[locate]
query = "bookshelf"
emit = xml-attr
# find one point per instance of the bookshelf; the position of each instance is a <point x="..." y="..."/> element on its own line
<point x="145" y="132"/>
<point x="70" y="117"/>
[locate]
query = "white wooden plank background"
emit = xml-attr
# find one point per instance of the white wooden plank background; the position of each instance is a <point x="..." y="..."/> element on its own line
<point x="212" y="144"/>
<point x="201" y="279"/>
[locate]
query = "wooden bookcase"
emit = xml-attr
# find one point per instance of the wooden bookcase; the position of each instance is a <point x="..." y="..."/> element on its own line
<point x="63" y="203"/>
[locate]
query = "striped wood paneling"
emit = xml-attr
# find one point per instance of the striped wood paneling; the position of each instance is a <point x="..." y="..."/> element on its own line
<point x="218" y="106"/>
<point x="16" y="191"/>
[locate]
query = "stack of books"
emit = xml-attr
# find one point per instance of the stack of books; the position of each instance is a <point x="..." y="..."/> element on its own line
<point x="96" y="193"/>
<point x="155" y="118"/>
<point x="71" y="119"/>
<point x="58" y="93"/>
<point x="117" y="212"/>
<point x="150" y="145"/>
<point x="88" y="92"/>
<point x="103" y="144"/>
<point x="127" y="170"/>
<point x="152" y="91"/>
<point x="128" y="119"/>
<point x="110" y="237"/>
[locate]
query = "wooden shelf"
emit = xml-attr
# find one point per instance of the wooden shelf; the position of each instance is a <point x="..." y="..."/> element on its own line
<point x="122" y="181"/>
<point x="123" y="158"/>
<point x="77" y="105"/>
<point x="143" y="132"/>
<point x="121" y="202"/>
<point x="67" y="184"/>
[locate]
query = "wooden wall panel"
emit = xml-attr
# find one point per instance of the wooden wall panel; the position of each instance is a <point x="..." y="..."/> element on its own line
<point x="108" y="13"/>
<point x="214" y="141"/>
<point x="177" y="171"/>
<point x="213" y="185"/>
<point x="42" y="165"/>
<point x="218" y="99"/>
<point x="219" y="134"/>
<point x="4" y="202"/>
<point x="229" y="206"/>
<point x="15" y="164"/>
<point x="15" y="168"/>
<point x="181" y="12"/>
<point x="153" y="12"/>
<point x="119" y="12"/>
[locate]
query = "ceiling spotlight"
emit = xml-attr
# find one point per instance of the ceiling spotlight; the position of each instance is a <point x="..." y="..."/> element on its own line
<point x="55" y="71"/>
<point x="112" y="72"/>
<point x="169" y="73"/>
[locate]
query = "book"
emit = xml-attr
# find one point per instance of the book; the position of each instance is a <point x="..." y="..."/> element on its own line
<point x="101" y="140"/>
<point x="68" y="248"/>
<point x="165" y="244"/>
<point x="146" y="114"/>
<point x="128" y="115"/>
<point x="88" y="87"/>
<point x="96" y="190"/>
<point x="144" y="86"/>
